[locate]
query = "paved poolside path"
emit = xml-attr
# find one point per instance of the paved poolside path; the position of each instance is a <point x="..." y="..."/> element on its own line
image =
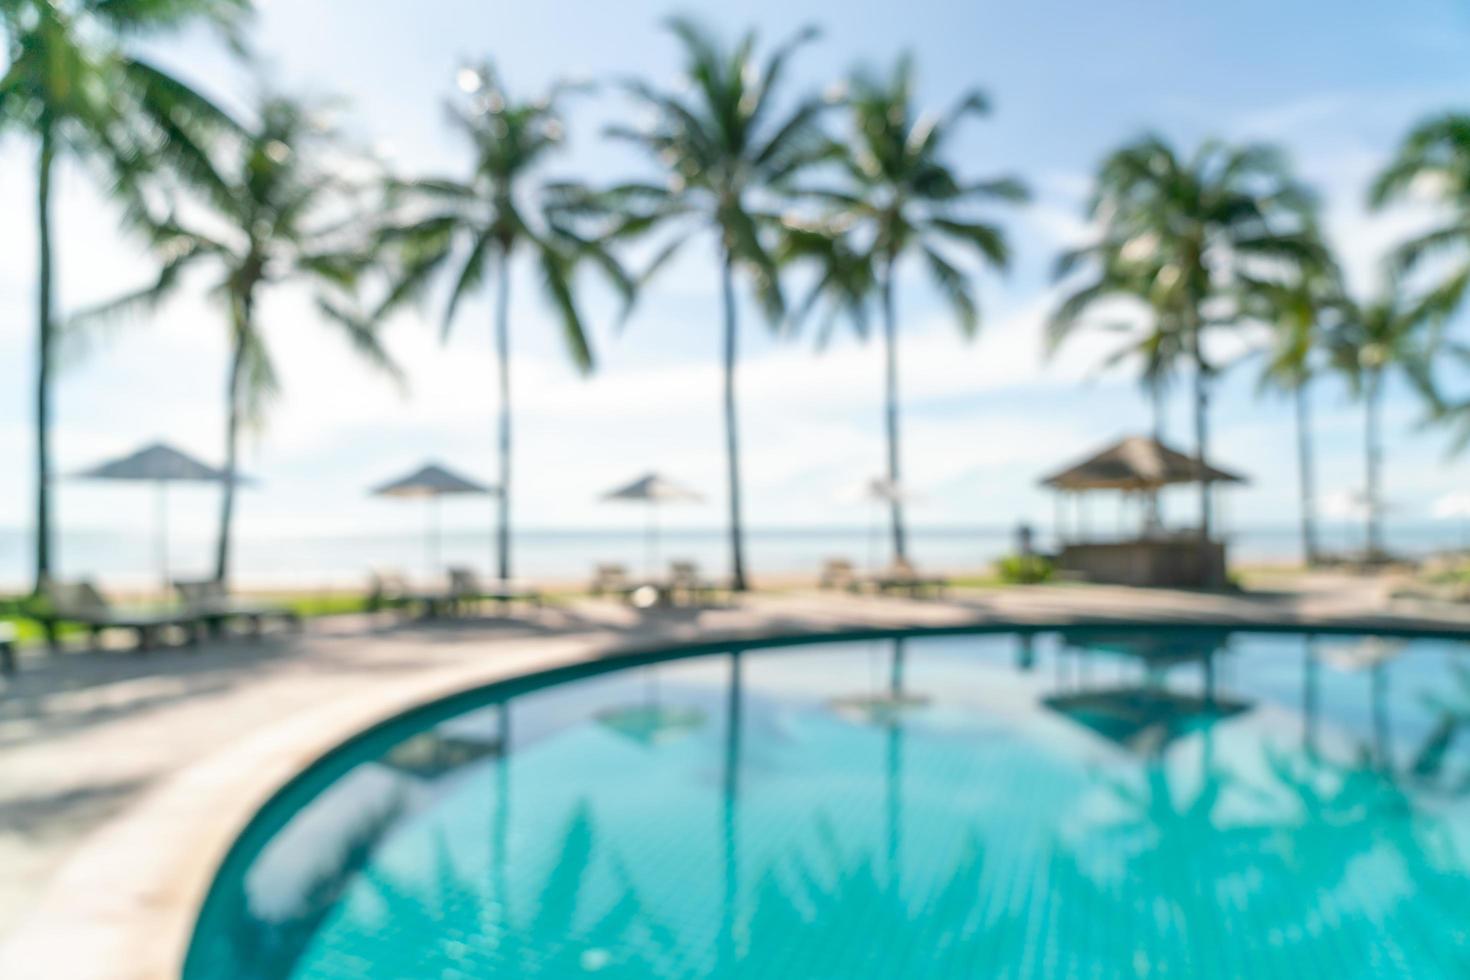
<point x="87" y="738"/>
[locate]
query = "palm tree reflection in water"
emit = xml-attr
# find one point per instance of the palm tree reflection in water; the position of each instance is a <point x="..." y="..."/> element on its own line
<point x="1223" y="849"/>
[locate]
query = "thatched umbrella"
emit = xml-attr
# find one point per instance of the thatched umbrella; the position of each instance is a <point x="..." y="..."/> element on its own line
<point x="878" y="491"/>
<point x="429" y="483"/>
<point x="653" y="490"/>
<point x="160" y="465"/>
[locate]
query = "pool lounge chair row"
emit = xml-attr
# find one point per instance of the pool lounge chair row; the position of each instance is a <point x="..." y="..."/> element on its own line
<point x="684" y="585"/>
<point x="205" y="606"/>
<point x="465" y="592"/>
<point x="901" y="577"/>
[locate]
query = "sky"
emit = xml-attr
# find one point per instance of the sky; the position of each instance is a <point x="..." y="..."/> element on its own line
<point x="1337" y="85"/>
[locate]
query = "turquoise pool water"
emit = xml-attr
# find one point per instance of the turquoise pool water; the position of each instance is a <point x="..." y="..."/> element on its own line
<point x="1121" y="803"/>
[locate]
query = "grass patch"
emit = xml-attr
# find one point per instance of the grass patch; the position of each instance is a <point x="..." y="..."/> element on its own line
<point x="310" y="606"/>
<point x="988" y="580"/>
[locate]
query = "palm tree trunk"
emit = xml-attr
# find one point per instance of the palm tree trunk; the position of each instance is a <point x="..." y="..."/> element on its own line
<point x="1209" y="575"/>
<point x="238" y="336"/>
<point x="1306" y="480"/>
<point x="732" y="440"/>
<point x="44" y="341"/>
<point x="1154" y="517"/>
<point x="502" y="355"/>
<point x="1202" y="436"/>
<point x="890" y="353"/>
<point x="1156" y="405"/>
<point x="1374" y="455"/>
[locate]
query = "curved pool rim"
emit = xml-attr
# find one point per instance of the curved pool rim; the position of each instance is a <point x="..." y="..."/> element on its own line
<point x="287" y="797"/>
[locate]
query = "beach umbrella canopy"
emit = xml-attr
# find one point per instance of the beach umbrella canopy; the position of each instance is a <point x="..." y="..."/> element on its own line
<point x="878" y="491"/>
<point x="653" y="489"/>
<point x="431" y="482"/>
<point x="159" y="464"/>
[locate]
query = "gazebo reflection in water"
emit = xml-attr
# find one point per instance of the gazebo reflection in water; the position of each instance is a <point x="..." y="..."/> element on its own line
<point x="1138" y="468"/>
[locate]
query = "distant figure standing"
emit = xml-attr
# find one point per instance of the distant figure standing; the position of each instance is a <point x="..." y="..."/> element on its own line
<point x="1025" y="537"/>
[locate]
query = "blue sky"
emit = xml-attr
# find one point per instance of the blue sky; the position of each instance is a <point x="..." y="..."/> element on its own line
<point x="1337" y="84"/>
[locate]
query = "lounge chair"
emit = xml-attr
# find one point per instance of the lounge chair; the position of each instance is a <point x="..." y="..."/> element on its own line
<point x="391" y="590"/>
<point x="80" y="602"/>
<point x="610" y="578"/>
<point x="7" y="650"/>
<point x="837" y="573"/>
<point x="217" y="607"/>
<point x="685" y="581"/>
<point x="903" y="578"/>
<point x="466" y="587"/>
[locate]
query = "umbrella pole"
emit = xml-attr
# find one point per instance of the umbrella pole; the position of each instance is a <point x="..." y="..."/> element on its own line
<point x="161" y="529"/>
<point x="434" y="543"/>
<point x="650" y="544"/>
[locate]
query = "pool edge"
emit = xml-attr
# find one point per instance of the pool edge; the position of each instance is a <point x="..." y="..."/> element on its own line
<point x="117" y="908"/>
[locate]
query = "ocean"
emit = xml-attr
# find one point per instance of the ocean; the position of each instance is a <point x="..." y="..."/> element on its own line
<point x="128" y="558"/>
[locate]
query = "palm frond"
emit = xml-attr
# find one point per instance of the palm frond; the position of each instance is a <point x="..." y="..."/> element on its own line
<point x="556" y="281"/>
<point x="955" y="287"/>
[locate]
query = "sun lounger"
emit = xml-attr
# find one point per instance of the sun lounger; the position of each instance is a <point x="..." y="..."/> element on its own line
<point x="837" y="573"/>
<point x="80" y="602"/>
<point x="467" y="587"/>
<point x="610" y="578"/>
<point x="686" y="582"/>
<point x="217" y="607"/>
<point x="903" y="578"/>
<point x="7" y="650"/>
<point x="390" y="590"/>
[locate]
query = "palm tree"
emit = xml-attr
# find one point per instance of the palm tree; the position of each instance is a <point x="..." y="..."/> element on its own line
<point x="276" y="219"/>
<point x="1393" y="334"/>
<point x="76" y="83"/>
<point x="1153" y="341"/>
<point x="473" y="227"/>
<point x="1295" y="310"/>
<point x="1434" y="163"/>
<point x="1178" y="233"/>
<point x="730" y="154"/>
<point x="902" y="198"/>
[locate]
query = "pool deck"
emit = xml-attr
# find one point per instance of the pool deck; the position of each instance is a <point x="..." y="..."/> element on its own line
<point x="124" y="778"/>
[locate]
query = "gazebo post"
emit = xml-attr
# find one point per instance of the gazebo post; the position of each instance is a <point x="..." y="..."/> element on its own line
<point x="1136" y="469"/>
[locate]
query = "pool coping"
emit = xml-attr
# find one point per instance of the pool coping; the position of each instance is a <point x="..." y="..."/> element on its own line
<point x="125" y="903"/>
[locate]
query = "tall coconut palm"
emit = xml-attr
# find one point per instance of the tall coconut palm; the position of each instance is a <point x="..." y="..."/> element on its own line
<point x="278" y="214"/>
<point x="1433" y="164"/>
<point x="730" y="152"/>
<point x="1178" y="233"/>
<point x="472" y="228"/>
<point x="1392" y="335"/>
<point x="901" y="198"/>
<point x="1298" y="311"/>
<point x="76" y="83"/>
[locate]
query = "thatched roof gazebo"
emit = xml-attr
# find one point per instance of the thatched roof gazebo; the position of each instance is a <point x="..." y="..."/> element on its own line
<point x="1137" y="464"/>
<point x="1138" y="467"/>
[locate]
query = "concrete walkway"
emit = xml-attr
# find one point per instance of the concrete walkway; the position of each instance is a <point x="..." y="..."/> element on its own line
<point x="94" y="745"/>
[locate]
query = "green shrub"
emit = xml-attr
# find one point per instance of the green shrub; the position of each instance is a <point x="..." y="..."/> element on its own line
<point x="1024" y="569"/>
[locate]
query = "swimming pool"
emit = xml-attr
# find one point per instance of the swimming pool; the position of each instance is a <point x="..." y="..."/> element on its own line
<point x="1084" y="803"/>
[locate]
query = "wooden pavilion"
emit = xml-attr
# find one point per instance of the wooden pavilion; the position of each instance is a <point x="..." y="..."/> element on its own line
<point x="1138" y="468"/>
